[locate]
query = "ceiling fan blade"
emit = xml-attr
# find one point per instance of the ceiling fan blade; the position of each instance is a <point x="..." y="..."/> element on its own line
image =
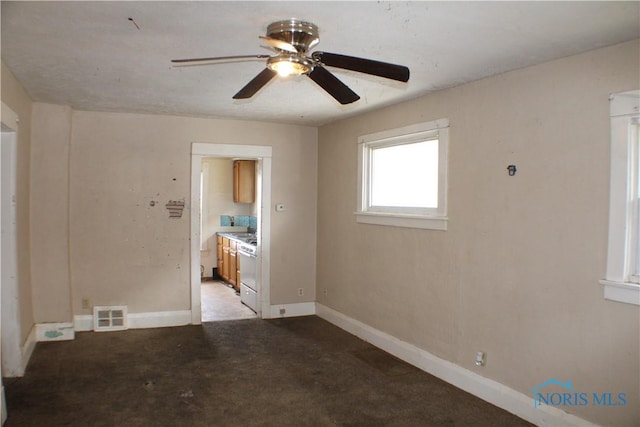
<point x="333" y="86"/>
<point x="279" y="44"/>
<point x="256" y="84"/>
<point x="219" y="58"/>
<point x="367" y="66"/>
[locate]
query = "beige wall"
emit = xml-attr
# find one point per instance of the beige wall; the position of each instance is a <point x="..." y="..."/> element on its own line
<point x="15" y="97"/>
<point x="50" y="138"/>
<point x="124" y="251"/>
<point x="516" y="275"/>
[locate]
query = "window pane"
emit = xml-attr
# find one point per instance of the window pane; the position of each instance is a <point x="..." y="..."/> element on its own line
<point x="405" y="175"/>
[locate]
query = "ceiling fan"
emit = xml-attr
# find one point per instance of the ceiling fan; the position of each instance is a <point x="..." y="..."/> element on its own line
<point x="292" y="40"/>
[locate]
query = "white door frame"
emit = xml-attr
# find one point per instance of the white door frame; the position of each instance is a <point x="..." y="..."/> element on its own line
<point x="10" y="345"/>
<point x="263" y="154"/>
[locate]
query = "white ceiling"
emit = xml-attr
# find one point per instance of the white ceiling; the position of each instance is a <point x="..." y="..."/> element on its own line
<point x="89" y="55"/>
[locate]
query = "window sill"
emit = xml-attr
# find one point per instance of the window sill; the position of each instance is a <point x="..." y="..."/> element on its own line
<point x="403" y="220"/>
<point x="622" y="292"/>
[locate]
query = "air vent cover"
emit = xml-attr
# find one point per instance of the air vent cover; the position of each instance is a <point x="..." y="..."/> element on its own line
<point x="110" y="318"/>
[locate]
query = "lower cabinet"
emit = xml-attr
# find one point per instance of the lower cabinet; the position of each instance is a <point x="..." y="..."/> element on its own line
<point x="219" y="257"/>
<point x="233" y="264"/>
<point x="238" y="282"/>
<point x="225" y="259"/>
<point x="229" y="261"/>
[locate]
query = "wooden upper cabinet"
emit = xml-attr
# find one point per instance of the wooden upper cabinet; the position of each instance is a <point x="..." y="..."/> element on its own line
<point x="244" y="181"/>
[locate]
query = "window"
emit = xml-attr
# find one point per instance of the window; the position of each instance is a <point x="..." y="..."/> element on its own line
<point x="623" y="262"/>
<point x="402" y="176"/>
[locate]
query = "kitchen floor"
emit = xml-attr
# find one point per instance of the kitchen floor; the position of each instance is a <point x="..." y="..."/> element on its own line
<point x="220" y="302"/>
<point x="283" y="372"/>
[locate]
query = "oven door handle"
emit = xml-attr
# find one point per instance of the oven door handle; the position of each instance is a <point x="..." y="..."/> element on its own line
<point x="246" y="254"/>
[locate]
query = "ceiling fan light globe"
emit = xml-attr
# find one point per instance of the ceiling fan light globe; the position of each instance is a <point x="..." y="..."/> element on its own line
<point x="289" y="65"/>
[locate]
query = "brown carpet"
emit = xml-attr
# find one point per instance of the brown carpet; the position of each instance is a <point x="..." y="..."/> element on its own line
<point x="285" y="372"/>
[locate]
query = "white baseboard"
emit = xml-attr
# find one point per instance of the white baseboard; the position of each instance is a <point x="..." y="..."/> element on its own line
<point x="28" y="347"/>
<point x="83" y="322"/>
<point x="492" y="391"/>
<point x="292" y="310"/>
<point x="159" y="319"/>
<point x="17" y="367"/>
<point x="54" y="331"/>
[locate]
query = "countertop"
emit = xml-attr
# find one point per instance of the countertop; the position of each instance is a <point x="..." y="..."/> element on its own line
<point x="242" y="237"/>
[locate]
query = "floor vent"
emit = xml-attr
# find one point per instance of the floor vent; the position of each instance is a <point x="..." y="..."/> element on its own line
<point x="110" y="318"/>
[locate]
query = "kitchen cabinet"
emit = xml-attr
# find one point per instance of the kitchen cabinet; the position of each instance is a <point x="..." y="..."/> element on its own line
<point x="244" y="181"/>
<point x="219" y="255"/>
<point x="233" y="264"/>
<point x="225" y="259"/>
<point x="229" y="262"/>
<point x="236" y="285"/>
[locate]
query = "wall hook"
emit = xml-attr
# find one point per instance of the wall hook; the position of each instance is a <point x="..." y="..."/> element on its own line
<point x="512" y="170"/>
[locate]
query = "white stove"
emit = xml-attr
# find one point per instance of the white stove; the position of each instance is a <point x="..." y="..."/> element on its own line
<point x="248" y="273"/>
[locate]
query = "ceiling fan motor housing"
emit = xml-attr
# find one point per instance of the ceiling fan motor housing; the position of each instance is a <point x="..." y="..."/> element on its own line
<point x="302" y="35"/>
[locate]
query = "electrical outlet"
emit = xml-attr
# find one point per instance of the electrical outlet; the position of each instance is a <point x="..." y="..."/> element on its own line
<point x="300" y="292"/>
<point x="86" y="303"/>
<point x="325" y="292"/>
<point x="282" y="311"/>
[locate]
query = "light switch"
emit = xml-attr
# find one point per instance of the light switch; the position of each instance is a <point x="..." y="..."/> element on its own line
<point x="280" y="207"/>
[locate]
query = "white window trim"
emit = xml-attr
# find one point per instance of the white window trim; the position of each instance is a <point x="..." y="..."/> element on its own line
<point x="434" y="219"/>
<point x="625" y="111"/>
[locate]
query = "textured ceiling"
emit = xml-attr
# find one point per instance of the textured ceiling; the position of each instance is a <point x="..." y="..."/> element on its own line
<point x="91" y="56"/>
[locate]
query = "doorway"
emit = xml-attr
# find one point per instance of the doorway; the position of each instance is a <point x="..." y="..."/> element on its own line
<point x="262" y="154"/>
<point x="224" y="216"/>
<point x="10" y="344"/>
